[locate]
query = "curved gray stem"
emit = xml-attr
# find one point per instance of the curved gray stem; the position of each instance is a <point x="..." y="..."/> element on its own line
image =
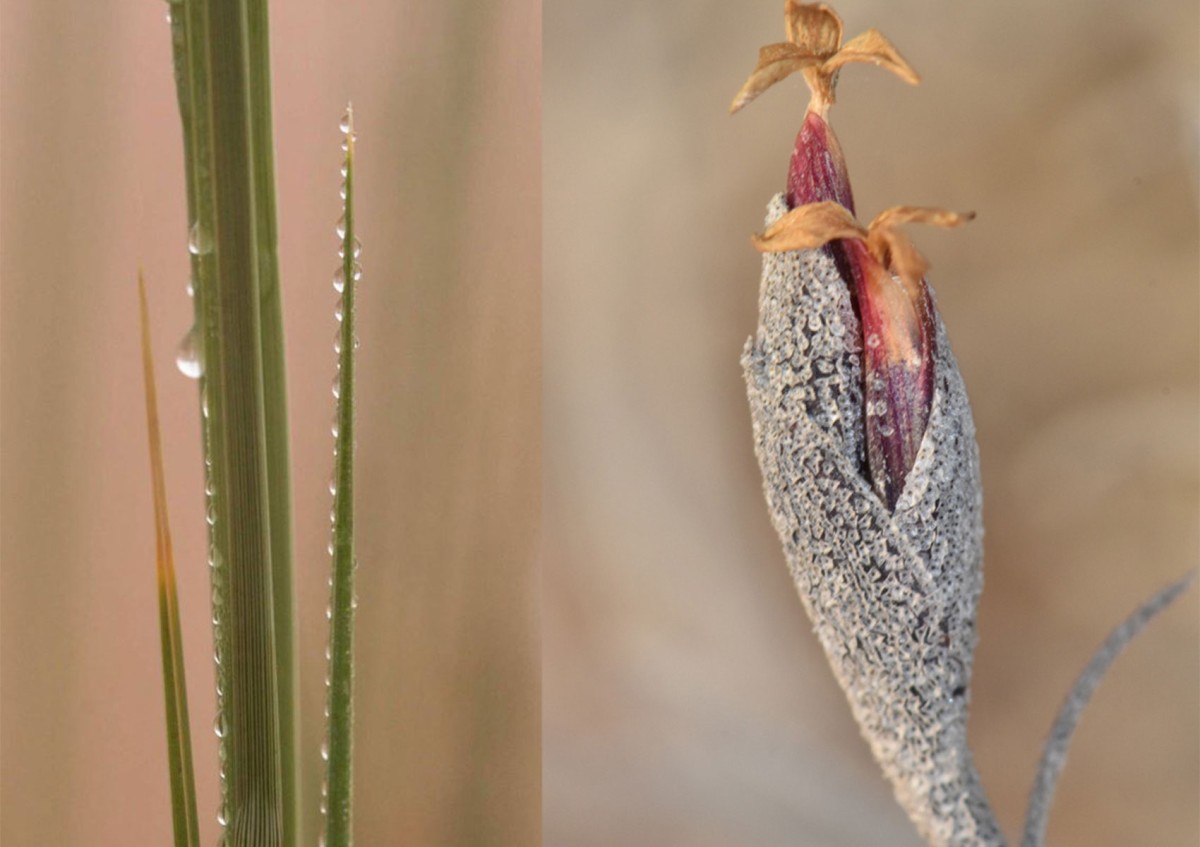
<point x="1054" y="753"/>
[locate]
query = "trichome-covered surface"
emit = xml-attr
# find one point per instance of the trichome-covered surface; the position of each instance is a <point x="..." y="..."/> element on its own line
<point x="892" y="597"/>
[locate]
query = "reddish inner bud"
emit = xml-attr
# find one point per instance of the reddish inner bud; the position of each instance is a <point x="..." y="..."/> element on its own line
<point x="817" y="170"/>
<point x="897" y="369"/>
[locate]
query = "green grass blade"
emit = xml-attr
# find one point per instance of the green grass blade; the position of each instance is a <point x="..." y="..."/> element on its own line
<point x="339" y="744"/>
<point x="230" y="183"/>
<point x="179" y="744"/>
<point x="275" y="409"/>
<point x="189" y="36"/>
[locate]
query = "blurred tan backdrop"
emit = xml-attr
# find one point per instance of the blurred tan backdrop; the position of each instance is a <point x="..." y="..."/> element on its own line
<point x="685" y="699"/>
<point x="447" y="102"/>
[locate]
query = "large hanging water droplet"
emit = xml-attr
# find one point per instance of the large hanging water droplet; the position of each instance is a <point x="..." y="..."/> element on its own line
<point x="220" y="727"/>
<point x="188" y="358"/>
<point x="340" y="229"/>
<point x="339" y="311"/>
<point x="339" y="280"/>
<point x="199" y="240"/>
<point x="223" y="814"/>
<point x="356" y="272"/>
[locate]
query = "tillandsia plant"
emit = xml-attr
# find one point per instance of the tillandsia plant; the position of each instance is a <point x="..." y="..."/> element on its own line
<point x="235" y="351"/>
<point x="866" y="442"/>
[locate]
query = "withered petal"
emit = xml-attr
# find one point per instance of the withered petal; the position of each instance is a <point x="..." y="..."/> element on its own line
<point x="775" y="62"/>
<point x="895" y="251"/>
<point x="893" y="248"/>
<point x="931" y="215"/>
<point x="814" y="27"/>
<point x="873" y="48"/>
<point x="810" y="226"/>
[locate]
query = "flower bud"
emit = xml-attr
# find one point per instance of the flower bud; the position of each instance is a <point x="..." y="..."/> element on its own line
<point x="892" y="591"/>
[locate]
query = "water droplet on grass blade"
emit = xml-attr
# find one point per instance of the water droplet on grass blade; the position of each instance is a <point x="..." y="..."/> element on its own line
<point x="340" y="229"/>
<point x="188" y="358"/>
<point x="220" y="727"/>
<point x="339" y="280"/>
<point x="199" y="240"/>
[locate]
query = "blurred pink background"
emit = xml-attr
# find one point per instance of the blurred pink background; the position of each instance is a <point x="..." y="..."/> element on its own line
<point x="686" y="701"/>
<point x="447" y="106"/>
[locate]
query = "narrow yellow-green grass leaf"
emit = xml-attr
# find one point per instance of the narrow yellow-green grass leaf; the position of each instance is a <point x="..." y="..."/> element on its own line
<point x="338" y="749"/>
<point x="179" y="744"/>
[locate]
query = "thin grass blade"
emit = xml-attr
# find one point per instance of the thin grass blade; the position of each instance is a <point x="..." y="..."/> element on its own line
<point x="338" y="749"/>
<point x="179" y="744"/>
<point x="221" y="72"/>
<point x="279" y="485"/>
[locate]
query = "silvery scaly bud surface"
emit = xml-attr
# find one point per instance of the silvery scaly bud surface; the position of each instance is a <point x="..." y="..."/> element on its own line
<point x="892" y="595"/>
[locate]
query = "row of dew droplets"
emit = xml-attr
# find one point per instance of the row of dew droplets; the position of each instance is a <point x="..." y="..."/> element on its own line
<point x="343" y="314"/>
<point x="189" y="358"/>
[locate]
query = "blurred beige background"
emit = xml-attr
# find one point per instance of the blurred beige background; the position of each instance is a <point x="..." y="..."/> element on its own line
<point x="685" y="699"/>
<point x="447" y="103"/>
